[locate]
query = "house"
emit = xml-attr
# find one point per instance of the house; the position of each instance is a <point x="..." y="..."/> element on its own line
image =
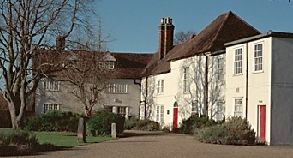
<point x="189" y="78"/>
<point x="121" y="94"/>
<point x="259" y="84"/>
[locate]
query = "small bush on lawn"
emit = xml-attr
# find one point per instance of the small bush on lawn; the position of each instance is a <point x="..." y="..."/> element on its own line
<point x="101" y="123"/>
<point x="194" y="122"/>
<point x="24" y="141"/>
<point x="146" y="125"/>
<point x="236" y="131"/>
<point x="53" y="121"/>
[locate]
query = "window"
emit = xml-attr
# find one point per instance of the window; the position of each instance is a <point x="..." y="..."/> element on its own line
<point x="220" y="68"/>
<point x="238" y="107"/>
<point x="160" y="87"/>
<point x="121" y="111"/>
<point x="219" y="110"/>
<point x="50" y="107"/>
<point x="160" y="113"/>
<point x="110" y="65"/>
<point x="107" y="65"/>
<point x="185" y="80"/>
<point x="258" y="57"/>
<point x="117" y="88"/>
<point x="51" y="85"/>
<point x="238" y="61"/>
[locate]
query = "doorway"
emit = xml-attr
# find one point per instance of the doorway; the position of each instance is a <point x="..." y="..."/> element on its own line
<point x="262" y="122"/>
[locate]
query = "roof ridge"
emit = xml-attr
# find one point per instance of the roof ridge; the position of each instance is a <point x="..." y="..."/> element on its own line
<point x="227" y="15"/>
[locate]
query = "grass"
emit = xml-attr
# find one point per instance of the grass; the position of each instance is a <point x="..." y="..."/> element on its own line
<point x="62" y="139"/>
<point x="66" y="139"/>
<point x="48" y="141"/>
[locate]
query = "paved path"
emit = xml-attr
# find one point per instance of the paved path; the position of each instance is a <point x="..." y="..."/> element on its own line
<point x="138" y="144"/>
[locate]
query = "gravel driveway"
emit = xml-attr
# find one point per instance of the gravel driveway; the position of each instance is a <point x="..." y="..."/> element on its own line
<point x="139" y="144"/>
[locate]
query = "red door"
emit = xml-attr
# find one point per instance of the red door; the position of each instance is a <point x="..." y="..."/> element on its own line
<point x="262" y="122"/>
<point x="175" y="118"/>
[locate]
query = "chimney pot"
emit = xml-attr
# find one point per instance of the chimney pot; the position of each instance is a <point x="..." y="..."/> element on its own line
<point x="163" y="21"/>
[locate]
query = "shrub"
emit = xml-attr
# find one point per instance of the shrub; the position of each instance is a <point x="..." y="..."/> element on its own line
<point x="236" y="131"/>
<point x="194" y="122"/>
<point x="101" y="123"/>
<point x="53" y="121"/>
<point x="145" y="125"/>
<point x="131" y="123"/>
<point x="23" y="140"/>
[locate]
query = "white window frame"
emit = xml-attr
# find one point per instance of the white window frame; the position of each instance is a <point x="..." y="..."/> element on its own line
<point x="160" y="87"/>
<point x="238" y="107"/>
<point x="121" y="110"/>
<point x="238" y="58"/>
<point x="110" y="64"/>
<point x="117" y="88"/>
<point x="185" y="80"/>
<point x="258" y="57"/>
<point x="51" y="85"/>
<point x="160" y="113"/>
<point x="220" y="109"/>
<point x="50" y="107"/>
<point x="220" y="68"/>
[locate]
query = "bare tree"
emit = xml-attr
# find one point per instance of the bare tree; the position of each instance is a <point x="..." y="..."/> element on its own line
<point x="88" y="74"/>
<point x="25" y="26"/>
<point x="181" y="36"/>
<point x="206" y="82"/>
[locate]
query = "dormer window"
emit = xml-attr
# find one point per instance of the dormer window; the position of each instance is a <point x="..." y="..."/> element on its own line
<point x="110" y="64"/>
<point x="109" y="61"/>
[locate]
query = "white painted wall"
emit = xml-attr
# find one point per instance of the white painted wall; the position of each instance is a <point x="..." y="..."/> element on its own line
<point x="271" y="87"/>
<point x="258" y="83"/>
<point x="173" y="89"/>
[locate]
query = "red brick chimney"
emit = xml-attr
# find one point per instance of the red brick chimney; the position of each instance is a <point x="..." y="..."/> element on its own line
<point x="166" y="33"/>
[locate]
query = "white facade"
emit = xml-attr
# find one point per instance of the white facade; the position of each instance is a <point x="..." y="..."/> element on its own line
<point x="261" y="90"/>
<point x="184" y="91"/>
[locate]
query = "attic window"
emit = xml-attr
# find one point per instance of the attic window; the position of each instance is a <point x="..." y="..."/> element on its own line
<point x="110" y="65"/>
<point x="109" y="61"/>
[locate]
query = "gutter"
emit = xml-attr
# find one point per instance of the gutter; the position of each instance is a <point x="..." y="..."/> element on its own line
<point x="246" y="95"/>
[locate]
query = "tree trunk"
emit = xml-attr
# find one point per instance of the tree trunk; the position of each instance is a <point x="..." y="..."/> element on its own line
<point x="15" y="120"/>
<point x="15" y="110"/>
<point x="88" y="112"/>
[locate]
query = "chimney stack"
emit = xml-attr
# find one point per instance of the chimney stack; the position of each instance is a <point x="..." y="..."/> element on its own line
<point x="60" y="43"/>
<point x="166" y="33"/>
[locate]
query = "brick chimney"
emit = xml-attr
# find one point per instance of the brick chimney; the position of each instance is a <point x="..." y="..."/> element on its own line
<point x="60" y="43"/>
<point x="166" y="33"/>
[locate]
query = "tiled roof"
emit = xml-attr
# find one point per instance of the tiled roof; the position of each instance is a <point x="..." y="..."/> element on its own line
<point x="226" y="28"/>
<point x="128" y="65"/>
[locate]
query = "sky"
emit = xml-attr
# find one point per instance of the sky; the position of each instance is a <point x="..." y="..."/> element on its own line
<point x="133" y="24"/>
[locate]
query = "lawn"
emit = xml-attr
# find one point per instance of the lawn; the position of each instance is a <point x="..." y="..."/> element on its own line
<point x="63" y="139"/>
<point x="66" y="139"/>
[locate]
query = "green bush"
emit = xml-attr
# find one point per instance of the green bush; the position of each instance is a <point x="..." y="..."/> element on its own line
<point x="131" y="123"/>
<point x="236" y="131"/>
<point x="101" y="123"/>
<point x="23" y="140"/>
<point x="194" y="122"/>
<point x="145" y="125"/>
<point x="53" y="121"/>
